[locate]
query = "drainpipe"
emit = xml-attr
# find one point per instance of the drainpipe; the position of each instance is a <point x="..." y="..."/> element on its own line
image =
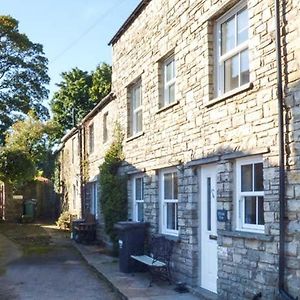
<point x="284" y="295"/>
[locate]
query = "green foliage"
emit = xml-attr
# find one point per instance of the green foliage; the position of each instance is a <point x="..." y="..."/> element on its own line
<point x="63" y="221"/>
<point x="16" y="166"/>
<point x="23" y="75"/>
<point x="31" y="137"/>
<point x="113" y="186"/>
<point x="26" y="151"/>
<point x="101" y="82"/>
<point x="81" y="91"/>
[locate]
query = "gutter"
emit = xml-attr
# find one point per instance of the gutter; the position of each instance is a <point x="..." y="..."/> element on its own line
<point x="284" y="295"/>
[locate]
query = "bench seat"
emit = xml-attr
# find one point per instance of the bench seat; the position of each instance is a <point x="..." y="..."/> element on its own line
<point x="149" y="261"/>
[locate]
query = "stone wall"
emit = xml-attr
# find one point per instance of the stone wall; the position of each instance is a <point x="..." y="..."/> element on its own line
<point x="199" y="126"/>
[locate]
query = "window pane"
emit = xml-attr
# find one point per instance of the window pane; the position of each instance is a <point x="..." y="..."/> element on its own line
<point x="261" y="219"/>
<point x="172" y="216"/>
<point x="138" y="125"/>
<point x="175" y="182"/>
<point x="208" y="203"/>
<point x="140" y="212"/>
<point x="228" y="35"/>
<point x="138" y="189"/>
<point x="170" y="70"/>
<point x="168" y="186"/>
<point x="250" y="210"/>
<point x="258" y="177"/>
<point x="171" y="92"/>
<point x="231" y="73"/>
<point x="246" y="178"/>
<point x="242" y="26"/>
<point x="244" y="67"/>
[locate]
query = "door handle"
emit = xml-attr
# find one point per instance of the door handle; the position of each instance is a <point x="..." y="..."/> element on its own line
<point x="213" y="237"/>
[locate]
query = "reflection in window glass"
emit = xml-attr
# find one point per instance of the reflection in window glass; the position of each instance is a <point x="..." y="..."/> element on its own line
<point x="172" y="216"/>
<point x="261" y="220"/>
<point x="258" y="177"/>
<point x="250" y="210"/>
<point x="246" y="178"/>
<point x="168" y="186"/>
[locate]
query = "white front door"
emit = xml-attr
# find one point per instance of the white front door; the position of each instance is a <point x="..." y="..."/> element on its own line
<point x="208" y="228"/>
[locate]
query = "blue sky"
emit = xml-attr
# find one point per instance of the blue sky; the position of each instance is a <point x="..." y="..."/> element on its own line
<point x="74" y="33"/>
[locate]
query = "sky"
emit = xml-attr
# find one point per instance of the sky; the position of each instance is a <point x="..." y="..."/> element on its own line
<point x="74" y="33"/>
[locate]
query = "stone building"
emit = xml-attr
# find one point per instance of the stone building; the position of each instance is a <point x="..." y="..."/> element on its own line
<point x="82" y="152"/>
<point x="198" y="93"/>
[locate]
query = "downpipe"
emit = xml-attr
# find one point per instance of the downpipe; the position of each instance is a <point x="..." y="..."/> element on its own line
<point x="284" y="295"/>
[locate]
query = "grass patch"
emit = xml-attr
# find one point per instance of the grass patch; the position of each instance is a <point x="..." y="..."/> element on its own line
<point x="32" y="238"/>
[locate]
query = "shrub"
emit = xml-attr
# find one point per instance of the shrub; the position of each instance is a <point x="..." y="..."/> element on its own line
<point x="113" y="186"/>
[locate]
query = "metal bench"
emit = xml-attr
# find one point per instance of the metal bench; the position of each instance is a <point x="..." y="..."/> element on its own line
<point x="158" y="261"/>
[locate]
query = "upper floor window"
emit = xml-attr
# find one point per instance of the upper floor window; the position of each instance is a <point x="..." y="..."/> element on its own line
<point x="105" y="135"/>
<point x="232" y="41"/>
<point x="169" y="202"/>
<point x="169" y="75"/>
<point x="73" y="149"/>
<point x="138" y="198"/>
<point x="250" y="194"/>
<point x="137" y="109"/>
<point x="91" y="138"/>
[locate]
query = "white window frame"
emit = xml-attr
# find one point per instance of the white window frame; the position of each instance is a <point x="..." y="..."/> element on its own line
<point x="136" y="110"/>
<point x="164" y="202"/>
<point x="91" y="138"/>
<point x="240" y="196"/>
<point x="94" y="199"/>
<point x="220" y="59"/>
<point x="136" y="202"/>
<point x="167" y="84"/>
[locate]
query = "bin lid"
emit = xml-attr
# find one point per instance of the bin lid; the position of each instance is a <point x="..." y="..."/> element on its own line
<point x="125" y="225"/>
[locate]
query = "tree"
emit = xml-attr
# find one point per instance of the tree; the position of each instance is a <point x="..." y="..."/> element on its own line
<point x="101" y="82"/>
<point x="81" y="91"/>
<point x="28" y="139"/>
<point x="23" y="75"/>
<point x="73" y="93"/>
<point x="16" y="167"/>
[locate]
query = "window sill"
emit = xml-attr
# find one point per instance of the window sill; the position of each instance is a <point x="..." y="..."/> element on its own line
<point x="230" y="94"/>
<point x="171" y="237"/>
<point x="167" y="107"/>
<point x="246" y="235"/>
<point x="133" y="137"/>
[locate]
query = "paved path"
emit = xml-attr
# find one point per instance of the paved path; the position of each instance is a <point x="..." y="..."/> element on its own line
<point x="59" y="274"/>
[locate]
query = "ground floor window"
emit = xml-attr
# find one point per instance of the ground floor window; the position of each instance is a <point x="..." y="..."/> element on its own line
<point x="169" y="201"/>
<point x="94" y="199"/>
<point x="250" y="194"/>
<point x="138" y="198"/>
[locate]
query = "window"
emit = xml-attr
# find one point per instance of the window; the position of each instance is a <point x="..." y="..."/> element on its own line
<point x="232" y="49"/>
<point x="105" y="136"/>
<point x="137" y="110"/>
<point x="138" y="199"/>
<point x="250" y="194"/>
<point x="94" y="199"/>
<point x="73" y="150"/>
<point x="169" y="75"/>
<point x="91" y="138"/>
<point x="169" y="202"/>
<point x="74" y="196"/>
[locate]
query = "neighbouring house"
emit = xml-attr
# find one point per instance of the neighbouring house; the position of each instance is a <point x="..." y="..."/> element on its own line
<point x="80" y="156"/>
<point x="212" y="139"/>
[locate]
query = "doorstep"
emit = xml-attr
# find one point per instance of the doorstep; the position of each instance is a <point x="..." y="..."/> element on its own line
<point x="131" y="286"/>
